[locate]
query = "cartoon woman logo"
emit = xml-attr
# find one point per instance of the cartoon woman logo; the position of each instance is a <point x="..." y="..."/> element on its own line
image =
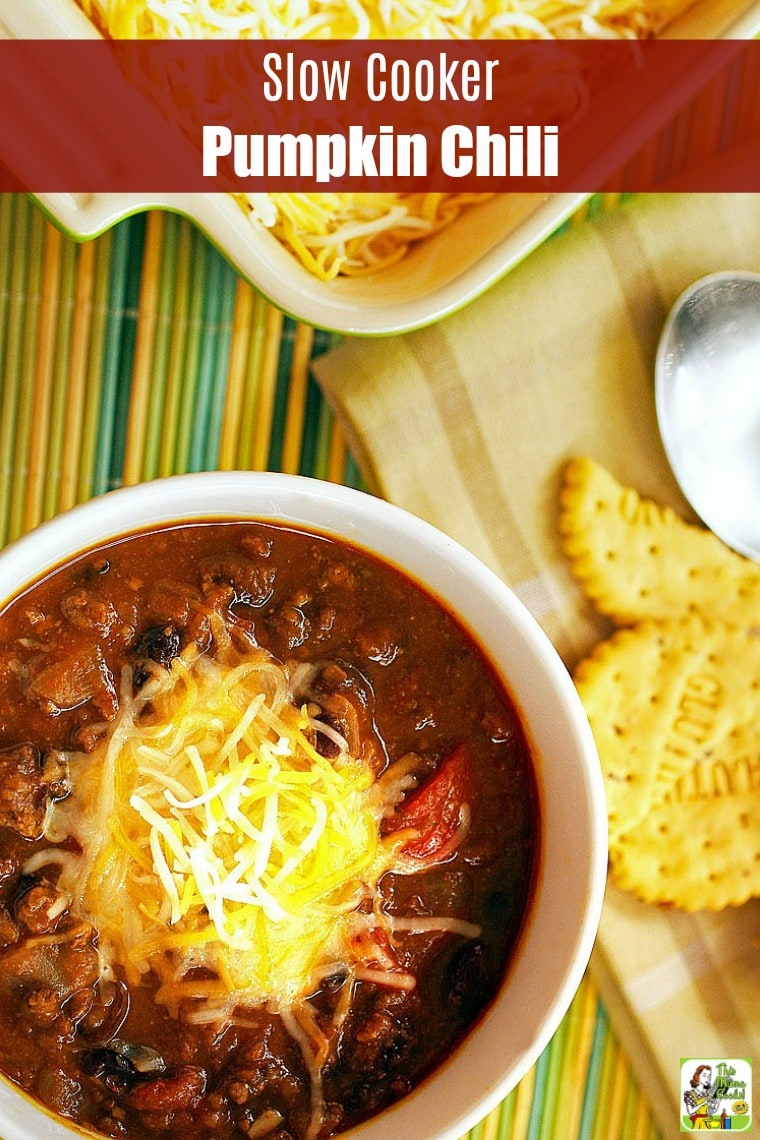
<point x="702" y="1105"/>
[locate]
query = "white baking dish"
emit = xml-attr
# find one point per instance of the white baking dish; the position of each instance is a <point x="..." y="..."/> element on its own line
<point x="437" y="277"/>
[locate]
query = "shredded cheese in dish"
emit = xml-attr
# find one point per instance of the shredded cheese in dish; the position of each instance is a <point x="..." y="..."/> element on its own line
<point x="215" y="835"/>
<point x="381" y="19"/>
<point x="352" y="234"/>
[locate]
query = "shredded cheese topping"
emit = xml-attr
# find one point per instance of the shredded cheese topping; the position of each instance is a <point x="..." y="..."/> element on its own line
<point x="215" y="835"/>
<point x="220" y="855"/>
<point x="353" y="234"/>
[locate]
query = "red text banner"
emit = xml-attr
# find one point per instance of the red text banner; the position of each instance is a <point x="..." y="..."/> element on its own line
<point x="252" y="116"/>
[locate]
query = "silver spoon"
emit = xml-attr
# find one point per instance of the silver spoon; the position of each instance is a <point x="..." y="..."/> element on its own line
<point x="707" y="394"/>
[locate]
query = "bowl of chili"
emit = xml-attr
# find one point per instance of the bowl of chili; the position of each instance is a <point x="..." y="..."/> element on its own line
<point x="302" y="828"/>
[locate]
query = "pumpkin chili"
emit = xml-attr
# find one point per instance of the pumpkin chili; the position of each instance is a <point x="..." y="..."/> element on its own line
<point x="268" y="833"/>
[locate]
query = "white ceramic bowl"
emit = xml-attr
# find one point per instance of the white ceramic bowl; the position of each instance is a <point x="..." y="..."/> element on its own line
<point x="558" y="935"/>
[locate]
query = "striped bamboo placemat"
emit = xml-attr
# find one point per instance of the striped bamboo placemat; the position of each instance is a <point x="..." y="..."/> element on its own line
<point x="142" y="354"/>
<point x="138" y="355"/>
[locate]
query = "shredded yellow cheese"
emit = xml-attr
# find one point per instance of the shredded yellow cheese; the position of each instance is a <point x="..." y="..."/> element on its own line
<point x="214" y="834"/>
<point x="379" y="19"/>
<point x="353" y="234"/>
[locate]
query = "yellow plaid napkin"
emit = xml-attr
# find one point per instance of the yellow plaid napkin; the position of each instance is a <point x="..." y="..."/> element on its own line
<point x="467" y="424"/>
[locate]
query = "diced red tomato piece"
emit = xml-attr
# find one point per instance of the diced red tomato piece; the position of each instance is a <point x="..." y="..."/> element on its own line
<point x="434" y="809"/>
<point x="170" y="1094"/>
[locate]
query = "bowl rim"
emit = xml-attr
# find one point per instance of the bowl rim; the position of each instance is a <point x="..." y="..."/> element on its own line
<point x="565" y="948"/>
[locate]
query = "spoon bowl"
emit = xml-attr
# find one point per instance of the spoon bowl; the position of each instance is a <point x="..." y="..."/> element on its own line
<point x="707" y="394"/>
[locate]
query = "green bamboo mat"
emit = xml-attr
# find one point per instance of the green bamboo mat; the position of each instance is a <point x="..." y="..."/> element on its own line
<point x="142" y="354"/>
